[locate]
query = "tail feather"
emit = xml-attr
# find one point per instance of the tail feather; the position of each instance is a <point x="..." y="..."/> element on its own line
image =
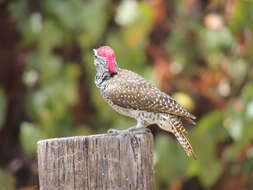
<point x="179" y="131"/>
<point x="191" y="119"/>
<point x="184" y="143"/>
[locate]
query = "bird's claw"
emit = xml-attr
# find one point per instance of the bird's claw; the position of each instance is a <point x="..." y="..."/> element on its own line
<point x="113" y="132"/>
<point x="139" y="130"/>
<point x="117" y="132"/>
<point x="128" y="131"/>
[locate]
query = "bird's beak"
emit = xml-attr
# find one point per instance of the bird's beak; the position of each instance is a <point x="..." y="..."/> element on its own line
<point x="95" y="51"/>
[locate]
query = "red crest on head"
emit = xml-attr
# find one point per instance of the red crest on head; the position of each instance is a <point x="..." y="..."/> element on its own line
<point x="108" y="53"/>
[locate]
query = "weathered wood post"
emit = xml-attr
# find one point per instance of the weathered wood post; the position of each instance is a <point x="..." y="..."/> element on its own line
<point x="97" y="162"/>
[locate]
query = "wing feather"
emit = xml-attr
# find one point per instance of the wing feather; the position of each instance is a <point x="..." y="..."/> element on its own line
<point x="130" y="90"/>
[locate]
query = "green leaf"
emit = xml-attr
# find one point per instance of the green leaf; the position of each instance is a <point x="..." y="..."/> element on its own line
<point x="242" y="16"/>
<point x="247" y="94"/>
<point x="205" y="138"/>
<point x="3" y="105"/>
<point x="171" y="160"/>
<point x="136" y="34"/>
<point x="6" y="182"/>
<point x="93" y="24"/>
<point x="213" y="41"/>
<point x="29" y="136"/>
<point x="51" y="36"/>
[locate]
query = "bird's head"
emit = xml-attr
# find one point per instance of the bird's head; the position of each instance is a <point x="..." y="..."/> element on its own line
<point x="104" y="58"/>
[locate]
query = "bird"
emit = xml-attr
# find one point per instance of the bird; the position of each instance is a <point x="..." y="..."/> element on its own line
<point x="131" y="95"/>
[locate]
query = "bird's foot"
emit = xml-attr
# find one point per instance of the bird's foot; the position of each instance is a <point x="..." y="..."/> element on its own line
<point x="132" y="130"/>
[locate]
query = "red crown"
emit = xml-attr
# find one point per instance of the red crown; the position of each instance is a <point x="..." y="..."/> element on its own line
<point x="108" y="53"/>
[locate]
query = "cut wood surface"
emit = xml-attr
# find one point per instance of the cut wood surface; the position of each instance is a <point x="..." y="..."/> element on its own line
<point x="97" y="162"/>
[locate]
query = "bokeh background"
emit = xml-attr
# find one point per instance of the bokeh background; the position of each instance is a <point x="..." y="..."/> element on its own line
<point x="198" y="51"/>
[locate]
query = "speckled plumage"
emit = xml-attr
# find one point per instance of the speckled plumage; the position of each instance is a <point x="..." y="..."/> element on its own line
<point x="132" y="95"/>
<point x="129" y="90"/>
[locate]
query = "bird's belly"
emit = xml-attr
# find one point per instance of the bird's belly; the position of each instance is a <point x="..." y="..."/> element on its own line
<point x="149" y="118"/>
<point x="161" y="119"/>
<point x="124" y="111"/>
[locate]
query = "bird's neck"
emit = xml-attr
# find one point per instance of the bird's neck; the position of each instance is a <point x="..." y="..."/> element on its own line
<point x="102" y="77"/>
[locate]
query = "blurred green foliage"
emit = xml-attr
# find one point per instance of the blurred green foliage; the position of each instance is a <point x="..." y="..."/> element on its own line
<point x="2" y="107"/>
<point x="6" y="182"/>
<point x="202" y="50"/>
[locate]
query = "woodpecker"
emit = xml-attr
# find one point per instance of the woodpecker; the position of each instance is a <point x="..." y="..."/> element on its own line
<point x="131" y="95"/>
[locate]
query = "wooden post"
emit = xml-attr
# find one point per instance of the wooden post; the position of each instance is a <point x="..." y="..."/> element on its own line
<point x="97" y="162"/>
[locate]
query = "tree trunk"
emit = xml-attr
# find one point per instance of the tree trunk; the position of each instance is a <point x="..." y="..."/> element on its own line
<point x="97" y="162"/>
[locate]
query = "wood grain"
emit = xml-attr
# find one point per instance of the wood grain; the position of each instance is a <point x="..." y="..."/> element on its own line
<point x="97" y="162"/>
